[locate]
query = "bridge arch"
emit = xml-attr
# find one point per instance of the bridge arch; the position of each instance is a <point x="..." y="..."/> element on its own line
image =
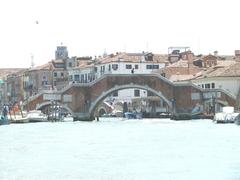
<point x="102" y="110"/>
<point x="49" y="103"/>
<point x="121" y="87"/>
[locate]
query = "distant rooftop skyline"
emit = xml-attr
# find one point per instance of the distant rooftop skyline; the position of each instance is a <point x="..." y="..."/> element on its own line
<point x="90" y="28"/>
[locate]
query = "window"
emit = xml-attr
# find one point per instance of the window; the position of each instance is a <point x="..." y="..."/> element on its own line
<point x="62" y="74"/>
<point x="149" y="57"/>
<point x="44" y="83"/>
<point x="149" y="93"/>
<point x="207" y="86"/>
<point x="82" y="78"/>
<point x="114" y="67"/>
<point x="59" y="65"/>
<point x="148" y="66"/>
<point x="213" y="85"/>
<point x="128" y="66"/>
<point x="103" y="68"/>
<point x="115" y="93"/>
<point x="76" y="77"/>
<point x="136" y="93"/>
<point x="70" y="64"/>
<point x="136" y="66"/>
<point x="109" y="67"/>
<point x="55" y="74"/>
<point x="202" y="85"/>
<point x="155" y="66"/>
<point x="70" y="77"/>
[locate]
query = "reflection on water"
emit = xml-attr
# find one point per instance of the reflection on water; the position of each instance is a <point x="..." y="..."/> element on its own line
<point x="115" y="149"/>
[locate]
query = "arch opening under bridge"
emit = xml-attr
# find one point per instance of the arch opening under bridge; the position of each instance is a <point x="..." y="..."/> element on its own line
<point x="105" y="94"/>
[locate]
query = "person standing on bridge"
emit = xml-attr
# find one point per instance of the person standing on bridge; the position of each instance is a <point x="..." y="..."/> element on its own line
<point x="132" y="71"/>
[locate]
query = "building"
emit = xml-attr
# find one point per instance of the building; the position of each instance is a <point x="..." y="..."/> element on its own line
<point x="209" y="61"/>
<point x="225" y="75"/>
<point x="181" y="70"/>
<point x="14" y="87"/>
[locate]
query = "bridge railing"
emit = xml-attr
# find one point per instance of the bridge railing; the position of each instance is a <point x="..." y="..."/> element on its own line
<point x="31" y="98"/>
<point x="206" y="90"/>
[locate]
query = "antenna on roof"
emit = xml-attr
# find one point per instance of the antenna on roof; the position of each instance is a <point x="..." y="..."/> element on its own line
<point x="32" y="60"/>
<point x="105" y="53"/>
<point x="125" y="48"/>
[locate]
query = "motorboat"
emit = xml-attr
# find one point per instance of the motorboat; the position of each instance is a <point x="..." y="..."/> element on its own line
<point x="131" y="115"/>
<point x="19" y="119"/>
<point x="36" y="116"/>
<point x="226" y="116"/>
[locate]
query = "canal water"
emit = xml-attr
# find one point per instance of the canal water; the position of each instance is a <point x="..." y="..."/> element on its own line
<point x="111" y="149"/>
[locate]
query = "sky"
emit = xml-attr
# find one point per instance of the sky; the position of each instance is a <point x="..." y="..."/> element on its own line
<point x="90" y="27"/>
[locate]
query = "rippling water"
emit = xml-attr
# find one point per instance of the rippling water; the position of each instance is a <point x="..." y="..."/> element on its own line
<point x="120" y="150"/>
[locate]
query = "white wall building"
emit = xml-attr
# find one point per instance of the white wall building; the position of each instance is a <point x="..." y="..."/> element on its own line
<point x="221" y="77"/>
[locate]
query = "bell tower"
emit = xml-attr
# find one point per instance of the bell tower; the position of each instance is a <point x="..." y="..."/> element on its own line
<point x="61" y="52"/>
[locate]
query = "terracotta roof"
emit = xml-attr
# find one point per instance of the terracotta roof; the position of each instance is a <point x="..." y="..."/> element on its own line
<point x="180" y="63"/>
<point x="225" y="63"/>
<point x="5" y="71"/>
<point x="209" y="57"/>
<point x="183" y="77"/>
<point x="46" y="66"/>
<point x="133" y="58"/>
<point x="58" y="61"/>
<point x="232" y="70"/>
<point x="226" y="57"/>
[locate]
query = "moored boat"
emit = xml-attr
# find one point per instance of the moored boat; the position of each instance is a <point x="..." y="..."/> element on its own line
<point x="19" y="119"/>
<point x="36" y="116"/>
<point x="131" y="115"/>
<point x="226" y="116"/>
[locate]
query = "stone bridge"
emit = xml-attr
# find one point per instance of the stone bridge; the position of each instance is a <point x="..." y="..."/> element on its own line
<point x="81" y="99"/>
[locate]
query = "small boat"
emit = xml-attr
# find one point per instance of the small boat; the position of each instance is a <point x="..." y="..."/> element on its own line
<point x="109" y="115"/>
<point x="20" y="119"/>
<point x="36" y="116"/>
<point x="4" y="120"/>
<point x="131" y="115"/>
<point x="226" y="116"/>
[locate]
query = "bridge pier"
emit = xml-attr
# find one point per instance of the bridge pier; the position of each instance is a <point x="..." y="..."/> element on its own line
<point x="83" y="117"/>
<point x="181" y="116"/>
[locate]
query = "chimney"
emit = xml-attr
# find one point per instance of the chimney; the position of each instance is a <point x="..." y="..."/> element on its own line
<point x="189" y="57"/>
<point x="215" y="53"/>
<point x="237" y="53"/>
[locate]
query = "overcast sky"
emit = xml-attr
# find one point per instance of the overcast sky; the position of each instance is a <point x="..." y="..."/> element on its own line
<point x="88" y="27"/>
